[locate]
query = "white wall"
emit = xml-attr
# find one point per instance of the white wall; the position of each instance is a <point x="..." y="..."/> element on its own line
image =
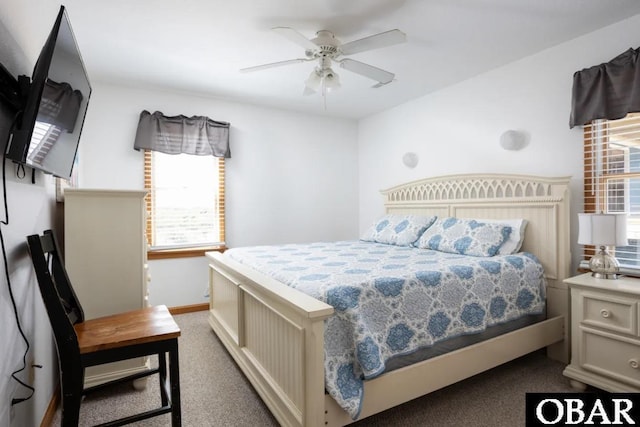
<point x="457" y="130"/>
<point x="292" y="177"/>
<point x="31" y="209"/>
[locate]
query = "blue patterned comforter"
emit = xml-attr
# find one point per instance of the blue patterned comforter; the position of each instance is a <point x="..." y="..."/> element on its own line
<point x="392" y="300"/>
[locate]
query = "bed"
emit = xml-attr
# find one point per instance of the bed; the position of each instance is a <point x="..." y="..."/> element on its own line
<point x="275" y="332"/>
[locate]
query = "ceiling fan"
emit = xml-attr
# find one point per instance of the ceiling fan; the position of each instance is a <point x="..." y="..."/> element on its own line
<point x="326" y="49"/>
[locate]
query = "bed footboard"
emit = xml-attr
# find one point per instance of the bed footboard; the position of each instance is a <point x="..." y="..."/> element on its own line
<point x="276" y="336"/>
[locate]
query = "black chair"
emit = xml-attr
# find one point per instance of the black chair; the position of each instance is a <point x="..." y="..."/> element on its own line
<point x="81" y="343"/>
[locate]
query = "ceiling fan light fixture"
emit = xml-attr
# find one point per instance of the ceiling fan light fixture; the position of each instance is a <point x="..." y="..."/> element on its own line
<point x="314" y="81"/>
<point x="331" y="81"/>
<point x="308" y="92"/>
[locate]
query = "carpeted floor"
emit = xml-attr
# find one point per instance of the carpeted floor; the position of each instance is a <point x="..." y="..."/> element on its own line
<point x="215" y="392"/>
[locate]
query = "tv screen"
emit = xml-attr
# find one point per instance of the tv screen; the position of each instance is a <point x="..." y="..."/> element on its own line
<point x="48" y="133"/>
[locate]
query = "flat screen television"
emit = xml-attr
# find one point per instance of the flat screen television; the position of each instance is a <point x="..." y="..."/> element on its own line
<point x="48" y="132"/>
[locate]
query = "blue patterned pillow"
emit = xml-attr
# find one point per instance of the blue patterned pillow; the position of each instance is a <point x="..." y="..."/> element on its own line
<point x="464" y="236"/>
<point x="400" y="230"/>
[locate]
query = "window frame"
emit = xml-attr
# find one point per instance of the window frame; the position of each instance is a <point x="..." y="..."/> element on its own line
<point x="193" y="251"/>
<point x="600" y="187"/>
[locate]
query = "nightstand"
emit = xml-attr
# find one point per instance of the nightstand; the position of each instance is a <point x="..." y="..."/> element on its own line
<point x="605" y="333"/>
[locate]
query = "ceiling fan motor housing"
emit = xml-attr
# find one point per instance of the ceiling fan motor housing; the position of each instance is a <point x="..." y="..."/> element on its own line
<point x="327" y="45"/>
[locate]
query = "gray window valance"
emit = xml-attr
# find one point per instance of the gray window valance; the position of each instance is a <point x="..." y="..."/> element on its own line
<point x="607" y="91"/>
<point x="60" y="105"/>
<point x="198" y="135"/>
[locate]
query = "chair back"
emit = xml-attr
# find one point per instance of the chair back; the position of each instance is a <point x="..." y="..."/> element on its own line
<point x="63" y="308"/>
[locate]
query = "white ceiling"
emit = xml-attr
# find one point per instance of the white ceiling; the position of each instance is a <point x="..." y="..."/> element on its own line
<point x="199" y="45"/>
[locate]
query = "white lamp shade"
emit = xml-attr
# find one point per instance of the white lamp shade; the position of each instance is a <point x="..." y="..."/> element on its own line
<point x="313" y="82"/>
<point x="602" y="229"/>
<point x="331" y="80"/>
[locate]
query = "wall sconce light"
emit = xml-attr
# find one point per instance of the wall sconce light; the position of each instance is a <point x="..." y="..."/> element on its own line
<point x="410" y="160"/>
<point x="513" y="140"/>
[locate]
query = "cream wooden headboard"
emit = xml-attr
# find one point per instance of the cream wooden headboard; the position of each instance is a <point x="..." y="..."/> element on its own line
<point x="542" y="201"/>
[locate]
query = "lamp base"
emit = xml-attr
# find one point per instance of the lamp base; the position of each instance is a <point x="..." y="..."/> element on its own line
<point x="604" y="266"/>
<point x="606" y="275"/>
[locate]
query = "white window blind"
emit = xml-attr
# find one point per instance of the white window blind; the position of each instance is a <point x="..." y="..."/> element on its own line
<point x="44" y="136"/>
<point x="185" y="200"/>
<point x="612" y="180"/>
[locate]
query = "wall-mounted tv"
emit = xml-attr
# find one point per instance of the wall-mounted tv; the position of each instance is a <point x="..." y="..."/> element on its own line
<point x="54" y="106"/>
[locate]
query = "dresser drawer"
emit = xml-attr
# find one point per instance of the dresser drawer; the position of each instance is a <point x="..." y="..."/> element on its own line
<point x="614" y="313"/>
<point x="614" y="357"/>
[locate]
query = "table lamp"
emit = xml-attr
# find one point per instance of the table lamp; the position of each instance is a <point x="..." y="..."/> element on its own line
<point x="603" y="230"/>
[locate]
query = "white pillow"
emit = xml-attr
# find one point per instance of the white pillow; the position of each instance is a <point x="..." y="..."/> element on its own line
<point x="513" y="244"/>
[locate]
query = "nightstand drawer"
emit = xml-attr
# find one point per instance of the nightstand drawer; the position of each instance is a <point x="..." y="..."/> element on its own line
<point x="610" y="312"/>
<point x="611" y="356"/>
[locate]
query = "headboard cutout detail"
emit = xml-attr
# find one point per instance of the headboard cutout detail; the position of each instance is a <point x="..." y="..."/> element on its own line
<point x="476" y="187"/>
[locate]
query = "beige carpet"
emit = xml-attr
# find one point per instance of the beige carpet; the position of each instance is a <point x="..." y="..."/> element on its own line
<point x="215" y="392"/>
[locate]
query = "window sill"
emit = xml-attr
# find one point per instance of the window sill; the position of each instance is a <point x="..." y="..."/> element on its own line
<point x="183" y="253"/>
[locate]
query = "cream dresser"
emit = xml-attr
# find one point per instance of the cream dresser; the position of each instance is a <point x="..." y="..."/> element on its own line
<point x="605" y="333"/>
<point x="106" y="258"/>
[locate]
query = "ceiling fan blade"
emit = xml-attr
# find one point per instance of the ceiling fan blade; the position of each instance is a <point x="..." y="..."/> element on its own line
<point x="375" y="41"/>
<point x="272" y="65"/>
<point x="366" y="70"/>
<point x="295" y="37"/>
<point x="377" y="85"/>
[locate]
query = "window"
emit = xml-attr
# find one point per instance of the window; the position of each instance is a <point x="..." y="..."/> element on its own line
<point x="185" y="203"/>
<point x="612" y="179"/>
<point x="44" y="136"/>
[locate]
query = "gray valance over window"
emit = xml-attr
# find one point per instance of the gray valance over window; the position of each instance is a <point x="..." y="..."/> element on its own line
<point x="60" y="105"/>
<point x="607" y="91"/>
<point x="196" y="135"/>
